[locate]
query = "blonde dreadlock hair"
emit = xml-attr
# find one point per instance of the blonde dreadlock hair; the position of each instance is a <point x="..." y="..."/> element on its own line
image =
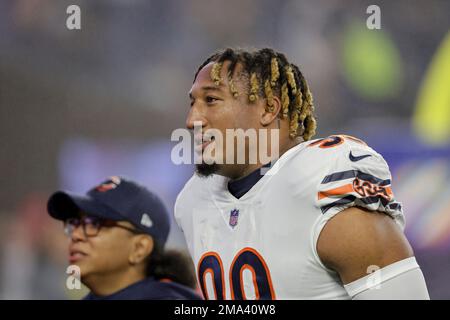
<point x="270" y="74"/>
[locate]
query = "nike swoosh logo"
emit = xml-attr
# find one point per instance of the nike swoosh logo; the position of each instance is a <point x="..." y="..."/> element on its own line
<point x="357" y="158"/>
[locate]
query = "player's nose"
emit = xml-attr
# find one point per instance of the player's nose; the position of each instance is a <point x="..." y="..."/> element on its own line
<point x="195" y="118"/>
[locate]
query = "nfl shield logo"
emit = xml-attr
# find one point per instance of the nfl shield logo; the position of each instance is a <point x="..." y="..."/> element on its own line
<point x="234" y="215"/>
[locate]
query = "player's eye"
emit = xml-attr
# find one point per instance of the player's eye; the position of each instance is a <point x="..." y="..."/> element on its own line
<point x="210" y="99"/>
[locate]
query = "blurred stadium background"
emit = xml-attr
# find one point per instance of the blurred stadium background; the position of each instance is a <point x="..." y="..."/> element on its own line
<point x="78" y="106"/>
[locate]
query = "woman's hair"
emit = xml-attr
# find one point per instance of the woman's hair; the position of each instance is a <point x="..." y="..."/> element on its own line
<point x="175" y="265"/>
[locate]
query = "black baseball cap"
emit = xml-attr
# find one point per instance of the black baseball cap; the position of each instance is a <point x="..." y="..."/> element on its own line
<point x="117" y="199"/>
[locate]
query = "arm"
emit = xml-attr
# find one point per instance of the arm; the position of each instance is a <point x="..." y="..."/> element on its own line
<point x="357" y="241"/>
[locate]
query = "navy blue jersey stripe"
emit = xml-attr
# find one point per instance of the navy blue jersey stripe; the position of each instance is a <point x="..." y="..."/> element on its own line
<point x="337" y="176"/>
<point x="395" y="206"/>
<point x="366" y="200"/>
<point x="345" y="200"/>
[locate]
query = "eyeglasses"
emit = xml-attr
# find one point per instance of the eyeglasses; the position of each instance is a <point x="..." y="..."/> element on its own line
<point x="92" y="225"/>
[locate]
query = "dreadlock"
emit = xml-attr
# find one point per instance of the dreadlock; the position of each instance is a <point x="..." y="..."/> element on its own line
<point x="270" y="74"/>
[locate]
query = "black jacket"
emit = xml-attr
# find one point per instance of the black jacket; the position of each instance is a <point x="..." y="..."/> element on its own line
<point x="150" y="289"/>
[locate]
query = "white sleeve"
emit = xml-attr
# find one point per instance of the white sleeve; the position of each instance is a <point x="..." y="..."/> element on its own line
<point x="358" y="176"/>
<point x="402" y="280"/>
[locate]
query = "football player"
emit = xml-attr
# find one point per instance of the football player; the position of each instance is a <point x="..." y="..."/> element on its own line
<point x="321" y="222"/>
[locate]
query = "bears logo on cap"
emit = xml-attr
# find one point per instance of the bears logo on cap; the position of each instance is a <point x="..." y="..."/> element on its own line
<point x="112" y="183"/>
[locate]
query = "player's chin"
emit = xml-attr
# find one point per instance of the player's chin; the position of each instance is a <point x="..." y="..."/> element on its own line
<point x="205" y="170"/>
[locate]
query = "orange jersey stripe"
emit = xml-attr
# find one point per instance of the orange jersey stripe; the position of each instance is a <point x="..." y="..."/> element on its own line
<point x="389" y="191"/>
<point x="342" y="190"/>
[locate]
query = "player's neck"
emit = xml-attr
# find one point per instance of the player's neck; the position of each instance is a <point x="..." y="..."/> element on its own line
<point x="249" y="168"/>
<point x="107" y="284"/>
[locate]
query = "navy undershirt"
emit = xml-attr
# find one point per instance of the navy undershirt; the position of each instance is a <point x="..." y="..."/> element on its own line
<point x="241" y="186"/>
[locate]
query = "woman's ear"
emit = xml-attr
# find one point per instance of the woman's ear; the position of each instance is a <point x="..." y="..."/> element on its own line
<point x="270" y="113"/>
<point x="142" y="248"/>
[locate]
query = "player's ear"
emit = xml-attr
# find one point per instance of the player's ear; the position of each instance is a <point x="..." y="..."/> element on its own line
<point x="142" y="247"/>
<point x="270" y="113"/>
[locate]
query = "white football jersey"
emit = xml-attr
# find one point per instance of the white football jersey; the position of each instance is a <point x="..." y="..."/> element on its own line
<point x="263" y="245"/>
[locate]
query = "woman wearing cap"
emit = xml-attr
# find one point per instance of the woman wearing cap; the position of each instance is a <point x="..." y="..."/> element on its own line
<point x="117" y="234"/>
